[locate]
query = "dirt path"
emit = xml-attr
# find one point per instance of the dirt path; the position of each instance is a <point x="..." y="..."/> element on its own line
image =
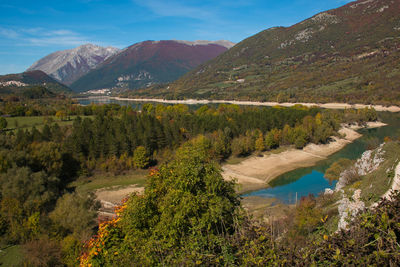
<point x="110" y="198"/>
<point x="115" y="196"/>
<point x="269" y="104"/>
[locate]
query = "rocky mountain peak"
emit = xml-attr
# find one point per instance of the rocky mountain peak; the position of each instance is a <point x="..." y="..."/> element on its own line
<point x="69" y="65"/>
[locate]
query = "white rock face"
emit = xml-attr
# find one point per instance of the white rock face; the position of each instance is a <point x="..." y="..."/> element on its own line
<point x="304" y="35"/>
<point x="362" y="3"/>
<point x="223" y="43"/>
<point x="348" y="209"/>
<point x="325" y="17"/>
<point x="140" y="76"/>
<point x="328" y="191"/>
<point x="370" y="161"/>
<point x="69" y="65"/>
<point x="13" y="83"/>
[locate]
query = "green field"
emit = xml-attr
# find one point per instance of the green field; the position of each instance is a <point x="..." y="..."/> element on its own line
<point x="100" y="181"/>
<point x="11" y="256"/>
<point x="14" y="123"/>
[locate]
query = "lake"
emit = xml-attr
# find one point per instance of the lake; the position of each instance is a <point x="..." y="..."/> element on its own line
<point x="302" y="181"/>
<point x="305" y="181"/>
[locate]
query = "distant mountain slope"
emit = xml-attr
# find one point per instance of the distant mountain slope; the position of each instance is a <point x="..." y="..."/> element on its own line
<point x="16" y="83"/>
<point x="150" y="62"/>
<point x="69" y="65"/>
<point x="348" y="54"/>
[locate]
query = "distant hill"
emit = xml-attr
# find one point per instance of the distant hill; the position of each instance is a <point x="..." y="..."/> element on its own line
<point x="349" y="54"/>
<point x="26" y="81"/>
<point x="150" y="62"/>
<point x="69" y="65"/>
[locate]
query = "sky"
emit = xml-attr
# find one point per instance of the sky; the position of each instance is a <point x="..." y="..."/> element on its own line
<point x="30" y="30"/>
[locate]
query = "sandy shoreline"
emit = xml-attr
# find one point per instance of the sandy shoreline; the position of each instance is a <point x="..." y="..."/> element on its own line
<point x="256" y="172"/>
<point x="255" y="103"/>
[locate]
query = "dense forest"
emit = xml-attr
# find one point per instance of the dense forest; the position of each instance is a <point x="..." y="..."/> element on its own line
<point x="41" y="210"/>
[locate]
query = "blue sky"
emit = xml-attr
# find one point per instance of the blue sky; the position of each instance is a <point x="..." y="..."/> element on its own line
<point x="31" y="29"/>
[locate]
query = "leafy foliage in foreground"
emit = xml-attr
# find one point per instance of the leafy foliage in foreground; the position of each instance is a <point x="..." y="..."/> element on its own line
<point x="189" y="215"/>
<point x="184" y="216"/>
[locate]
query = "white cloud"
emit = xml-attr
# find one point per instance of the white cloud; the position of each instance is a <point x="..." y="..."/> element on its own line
<point x="57" y="40"/>
<point x="8" y="33"/>
<point x="176" y="9"/>
<point x="43" y="37"/>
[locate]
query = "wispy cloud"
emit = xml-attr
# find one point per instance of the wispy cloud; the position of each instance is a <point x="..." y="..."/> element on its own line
<point x="8" y="33"/>
<point x="177" y="9"/>
<point x="42" y="37"/>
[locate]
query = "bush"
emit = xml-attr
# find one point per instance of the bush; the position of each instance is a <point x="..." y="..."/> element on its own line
<point x="43" y="252"/>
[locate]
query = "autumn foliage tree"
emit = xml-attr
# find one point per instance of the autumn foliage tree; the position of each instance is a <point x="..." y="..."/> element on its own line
<point x="183" y="217"/>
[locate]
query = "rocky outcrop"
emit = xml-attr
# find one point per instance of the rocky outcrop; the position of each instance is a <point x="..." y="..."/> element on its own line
<point x="370" y="161"/>
<point x="395" y="183"/>
<point x="349" y="209"/>
<point x="69" y="65"/>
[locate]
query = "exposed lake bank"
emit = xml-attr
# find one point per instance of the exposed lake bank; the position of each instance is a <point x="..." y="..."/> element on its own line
<point x="256" y="172"/>
<point x="255" y="103"/>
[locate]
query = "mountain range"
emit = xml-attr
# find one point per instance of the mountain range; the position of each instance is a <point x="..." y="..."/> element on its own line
<point x="349" y="54"/>
<point x="149" y="62"/>
<point x="69" y="65"/>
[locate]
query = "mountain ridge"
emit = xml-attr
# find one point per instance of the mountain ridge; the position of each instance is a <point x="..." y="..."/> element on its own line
<point x="149" y="62"/>
<point x="348" y="54"/>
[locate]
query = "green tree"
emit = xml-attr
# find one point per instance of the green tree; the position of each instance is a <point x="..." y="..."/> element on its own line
<point x="61" y="114"/>
<point x="3" y="123"/>
<point x="36" y="191"/>
<point x="76" y="213"/>
<point x="334" y="171"/>
<point x="140" y="158"/>
<point x="183" y="217"/>
<point x="260" y="143"/>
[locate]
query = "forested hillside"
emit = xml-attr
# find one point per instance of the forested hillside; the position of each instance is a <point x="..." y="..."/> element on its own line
<point x="42" y="210"/>
<point x="350" y="54"/>
<point x="30" y="81"/>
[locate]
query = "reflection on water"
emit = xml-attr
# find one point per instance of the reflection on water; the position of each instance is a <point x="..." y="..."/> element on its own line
<point x="134" y="104"/>
<point x="107" y="100"/>
<point x="310" y="183"/>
